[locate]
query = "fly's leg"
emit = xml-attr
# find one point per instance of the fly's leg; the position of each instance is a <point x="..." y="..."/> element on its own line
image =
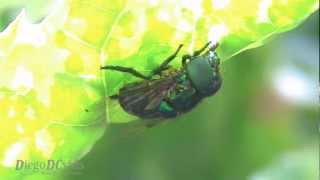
<point x="187" y="57"/>
<point x="198" y="52"/>
<point x="124" y="70"/>
<point x="131" y="71"/>
<point x="114" y="96"/>
<point x="165" y="63"/>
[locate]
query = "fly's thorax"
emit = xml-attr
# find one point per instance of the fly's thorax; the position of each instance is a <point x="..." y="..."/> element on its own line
<point x="170" y="72"/>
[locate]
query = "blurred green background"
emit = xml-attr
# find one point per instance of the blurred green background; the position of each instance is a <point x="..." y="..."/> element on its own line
<point x="262" y="124"/>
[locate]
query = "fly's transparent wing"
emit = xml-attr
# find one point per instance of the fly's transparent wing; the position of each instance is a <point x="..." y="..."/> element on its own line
<point x="144" y="98"/>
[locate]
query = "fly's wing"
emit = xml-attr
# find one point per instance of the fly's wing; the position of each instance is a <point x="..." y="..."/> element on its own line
<point x="143" y="98"/>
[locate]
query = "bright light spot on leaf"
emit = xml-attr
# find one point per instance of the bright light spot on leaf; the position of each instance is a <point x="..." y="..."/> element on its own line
<point x="23" y="79"/>
<point x="28" y="33"/>
<point x="78" y="22"/>
<point x="1" y="54"/>
<point x="217" y="32"/>
<point x="79" y="25"/>
<point x="194" y="6"/>
<point x="163" y="15"/>
<point x="263" y="15"/>
<point x="20" y="128"/>
<point x="184" y="26"/>
<point x="30" y="113"/>
<point x="88" y="76"/>
<point x="44" y="142"/>
<point x="153" y="2"/>
<point x="220" y="4"/>
<point x="11" y="112"/>
<point x="14" y="152"/>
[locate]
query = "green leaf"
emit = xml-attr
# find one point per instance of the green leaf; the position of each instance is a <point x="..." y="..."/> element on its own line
<point x="51" y="94"/>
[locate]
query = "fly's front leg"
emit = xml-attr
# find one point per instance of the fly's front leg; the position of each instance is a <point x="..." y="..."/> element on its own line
<point x="187" y="57"/>
<point x="165" y="63"/>
<point x="131" y="71"/>
<point x="198" y="52"/>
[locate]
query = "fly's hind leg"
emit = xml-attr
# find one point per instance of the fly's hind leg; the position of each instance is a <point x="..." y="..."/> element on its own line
<point x="131" y="71"/>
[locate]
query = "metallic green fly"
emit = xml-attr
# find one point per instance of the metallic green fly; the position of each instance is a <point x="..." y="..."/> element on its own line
<point x="169" y="92"/>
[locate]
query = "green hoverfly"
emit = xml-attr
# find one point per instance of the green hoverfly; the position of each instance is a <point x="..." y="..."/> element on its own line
<point x="168" y="92"/>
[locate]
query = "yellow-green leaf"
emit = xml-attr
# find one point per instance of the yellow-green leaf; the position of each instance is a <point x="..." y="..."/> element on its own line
<point x="51" y="94"/>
